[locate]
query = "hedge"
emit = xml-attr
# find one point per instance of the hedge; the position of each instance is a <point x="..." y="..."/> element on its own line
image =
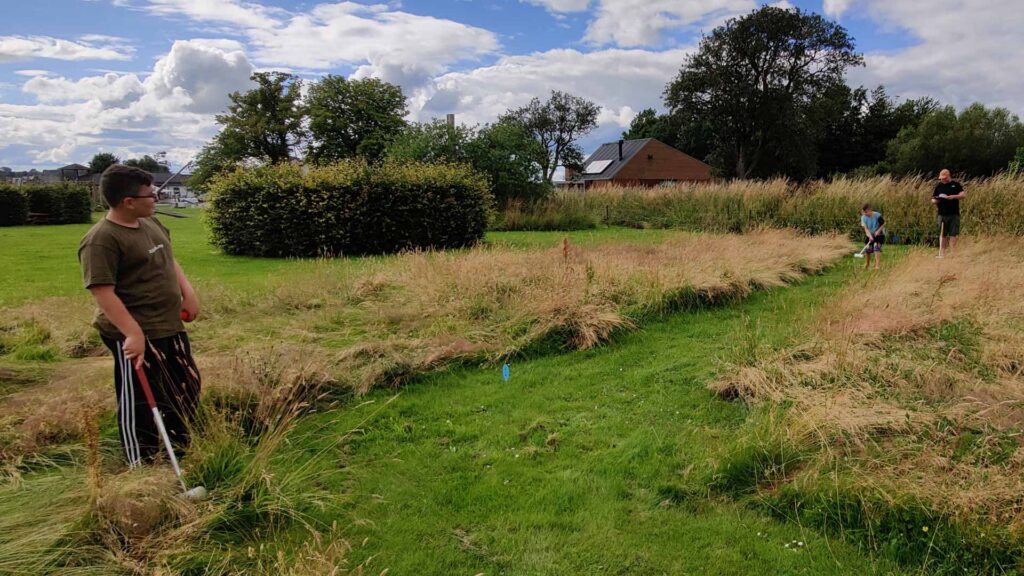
<point x="13" y="206"/>
<point x="348" y="208"/>
<point x="64" y="203"/>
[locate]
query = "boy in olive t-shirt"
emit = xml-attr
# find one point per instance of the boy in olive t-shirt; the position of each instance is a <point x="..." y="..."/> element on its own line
<point x="142" y="296"/>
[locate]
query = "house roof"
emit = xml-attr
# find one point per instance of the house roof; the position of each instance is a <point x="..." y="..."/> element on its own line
<point x="175" y="179"/>
<point x="74" y="167"/>
<point x="610" y="151"/>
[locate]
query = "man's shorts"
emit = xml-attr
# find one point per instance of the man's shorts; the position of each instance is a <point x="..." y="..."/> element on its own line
<point x="876" y="245"/>
<point x="949" y="225"/>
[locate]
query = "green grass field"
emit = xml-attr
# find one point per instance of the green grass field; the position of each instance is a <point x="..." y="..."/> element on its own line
<point x="592" y="462"/>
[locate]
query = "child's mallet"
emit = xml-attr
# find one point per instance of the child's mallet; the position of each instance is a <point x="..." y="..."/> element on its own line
<point x="197" y="493"/>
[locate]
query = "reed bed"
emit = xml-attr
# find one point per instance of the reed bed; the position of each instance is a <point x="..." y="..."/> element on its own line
<point x="992" y="206"/>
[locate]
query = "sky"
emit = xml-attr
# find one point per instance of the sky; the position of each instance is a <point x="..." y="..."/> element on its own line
<point x="136" y="77"/>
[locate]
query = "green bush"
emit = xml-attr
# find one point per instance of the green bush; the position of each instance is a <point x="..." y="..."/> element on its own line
<point x="13" y="206"/>
<point x="348" y="208"/>
<point x="65" y="202"/>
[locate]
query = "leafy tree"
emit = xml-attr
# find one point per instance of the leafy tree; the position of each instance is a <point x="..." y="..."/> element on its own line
<point x="264" y="123"/>
<point x="979" y="141"/>
<point x="751" y="84"/>
<point x="147" y="163"/>
<point x="1016" y="166"/>
<point x="102" y="161"/>
<point x="350" y="118"/>
<point x="512" y="159"/>
<point x="858" y="126"/>
<point x="509" y="157"/>
<point x="556" y="124"/>
<point x="213" y="159"/>
<point x="434" y="141"/>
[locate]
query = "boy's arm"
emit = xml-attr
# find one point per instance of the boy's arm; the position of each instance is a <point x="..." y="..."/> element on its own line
<point x="189" y="300"/>
<point x="114" y="309"/>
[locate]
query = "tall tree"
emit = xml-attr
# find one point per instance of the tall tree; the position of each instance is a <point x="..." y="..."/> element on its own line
<point x="512" y="159"/>
<point x="433" y="141"/>
<point x="102" y="161"/>
<point x="147" y="163"/>
<point x="508" y="155"/>
<point x="556" y="124"/>
<point x="751" y="82"/>
<point x="353" y="117"/>
<point x="264" y="123"/>
<point x="978" y="141"/>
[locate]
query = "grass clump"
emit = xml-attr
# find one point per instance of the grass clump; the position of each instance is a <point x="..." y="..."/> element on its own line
<point x="100" y="518"/>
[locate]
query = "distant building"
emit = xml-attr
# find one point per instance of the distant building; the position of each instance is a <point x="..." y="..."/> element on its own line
<point x="175" y="187"/>
<point x="644" y="162"/>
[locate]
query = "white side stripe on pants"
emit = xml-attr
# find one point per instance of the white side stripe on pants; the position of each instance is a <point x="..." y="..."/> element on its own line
<point x="128" y="435"/>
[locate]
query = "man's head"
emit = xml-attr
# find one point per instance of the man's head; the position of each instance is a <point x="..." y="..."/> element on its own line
<point x="866" y="209"/>
<point x="128" y="188"/>
<point x="944" y="176"/>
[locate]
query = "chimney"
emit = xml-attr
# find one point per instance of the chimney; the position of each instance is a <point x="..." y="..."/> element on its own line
<point x="451" y="120"/>
<point x="620" y="149"/>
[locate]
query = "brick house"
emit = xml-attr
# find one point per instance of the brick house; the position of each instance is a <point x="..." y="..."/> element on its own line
<point x="644" y="162"/>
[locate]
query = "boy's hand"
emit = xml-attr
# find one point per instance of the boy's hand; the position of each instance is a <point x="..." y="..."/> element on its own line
<point x="134" y="347"/>
<point x="189" y="308"/>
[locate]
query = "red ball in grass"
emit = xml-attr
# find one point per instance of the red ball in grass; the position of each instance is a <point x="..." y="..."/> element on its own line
<point x="184" y="315"/>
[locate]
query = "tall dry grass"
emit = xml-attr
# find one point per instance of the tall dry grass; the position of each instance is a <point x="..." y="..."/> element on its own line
<point x="394" y="319"/>
<point x="424" y="311"/>
<point x="98" y="518"/>
<point x="993" y="206"/>
<point x="912" y="383"/>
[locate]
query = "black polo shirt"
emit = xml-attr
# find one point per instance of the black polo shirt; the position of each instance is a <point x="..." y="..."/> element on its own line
<point x="948" y="207"/>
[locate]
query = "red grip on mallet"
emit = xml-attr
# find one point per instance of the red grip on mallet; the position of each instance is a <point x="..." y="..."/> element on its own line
<point x="144" y="382"/>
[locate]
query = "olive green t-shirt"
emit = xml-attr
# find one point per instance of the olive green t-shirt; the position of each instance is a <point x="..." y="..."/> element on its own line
<point x="140" y="265"/>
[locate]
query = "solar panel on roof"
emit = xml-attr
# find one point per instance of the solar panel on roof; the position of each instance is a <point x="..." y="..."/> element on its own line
<point x="597" y="166"/>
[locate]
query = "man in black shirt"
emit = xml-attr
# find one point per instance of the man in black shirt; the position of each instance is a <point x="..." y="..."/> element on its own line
<point x="946" y="197"/>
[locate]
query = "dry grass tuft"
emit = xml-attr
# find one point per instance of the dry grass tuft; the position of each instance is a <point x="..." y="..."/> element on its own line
<point x="912" y="381"/>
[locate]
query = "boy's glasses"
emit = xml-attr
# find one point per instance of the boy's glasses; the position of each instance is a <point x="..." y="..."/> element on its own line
<point x="141" y="196"/>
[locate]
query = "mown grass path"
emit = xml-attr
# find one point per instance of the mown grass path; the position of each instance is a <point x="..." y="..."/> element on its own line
<point x="582" y="463"/>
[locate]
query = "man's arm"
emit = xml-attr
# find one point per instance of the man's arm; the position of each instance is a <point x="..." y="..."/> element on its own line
<point x="114" y="309"/>
<point x="189" y="300"/>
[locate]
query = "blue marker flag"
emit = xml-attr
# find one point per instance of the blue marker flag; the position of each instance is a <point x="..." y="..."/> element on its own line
<point x="504" y="372"/>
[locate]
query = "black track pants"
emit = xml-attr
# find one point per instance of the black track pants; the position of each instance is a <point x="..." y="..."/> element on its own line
<point x="175" y="381"/>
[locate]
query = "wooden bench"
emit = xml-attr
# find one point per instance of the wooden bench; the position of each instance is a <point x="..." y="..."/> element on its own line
<point x="38" y="218"/>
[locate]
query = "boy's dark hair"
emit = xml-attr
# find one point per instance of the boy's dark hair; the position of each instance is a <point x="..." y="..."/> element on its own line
<point x="120" y="181"/>
<point x="865" y="208"/>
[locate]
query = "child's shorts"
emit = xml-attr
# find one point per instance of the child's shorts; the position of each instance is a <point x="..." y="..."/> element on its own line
<point x="875" y="246"/>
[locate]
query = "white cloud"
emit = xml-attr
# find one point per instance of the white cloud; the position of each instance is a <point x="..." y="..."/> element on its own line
<point x="112" y="89"/>
<point x="836" y="8"/>
<point x="641" y="22"/>
<point x="244" y="14"/>
<point x="561" y="6"/>
<point x="14" y="48"/>
<point x="198" y="75"/>
<point x="117" y="112"/>
<point x="620" y="81"/>
<point x="965" y="52"/>
<point x="398" y="47"/>
<point x="31" y="72"/>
